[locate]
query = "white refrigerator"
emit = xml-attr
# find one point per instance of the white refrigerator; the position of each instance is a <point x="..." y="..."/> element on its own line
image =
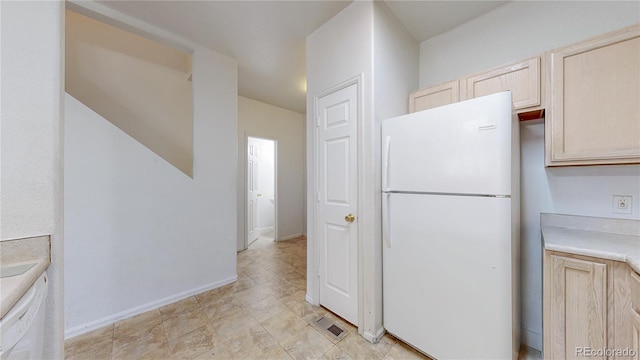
<point x="450" y="221"/>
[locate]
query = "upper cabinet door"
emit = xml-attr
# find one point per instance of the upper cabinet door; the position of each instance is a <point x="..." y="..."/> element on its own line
<point x="593" y="115"/>
<point x="521" y="78"/>
<point x="439" y="95"/>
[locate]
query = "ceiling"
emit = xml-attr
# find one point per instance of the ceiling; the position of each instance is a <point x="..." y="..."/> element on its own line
<point x="268" y="37"/>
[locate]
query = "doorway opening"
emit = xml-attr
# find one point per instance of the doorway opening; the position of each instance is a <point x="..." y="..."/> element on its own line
<point x="261" y="192"/>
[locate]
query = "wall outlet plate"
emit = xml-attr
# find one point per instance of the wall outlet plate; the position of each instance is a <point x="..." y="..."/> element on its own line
<point x="622" y="204"/>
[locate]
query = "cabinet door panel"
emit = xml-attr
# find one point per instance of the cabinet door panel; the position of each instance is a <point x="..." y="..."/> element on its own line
<point x="522" y="79"/>
<point x="578" y="307"/>
<point x="594" y="117"/>
<point x="635" y="334"/>
<point x="434" y="96"/>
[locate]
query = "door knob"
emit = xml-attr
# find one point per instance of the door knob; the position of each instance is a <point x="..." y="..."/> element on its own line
<point x="259" y="195"/>
<point x="349" y="218"/>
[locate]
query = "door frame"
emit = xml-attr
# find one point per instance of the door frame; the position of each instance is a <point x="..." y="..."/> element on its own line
<point x="313" y="254"/>
<point x="245" y="161"/>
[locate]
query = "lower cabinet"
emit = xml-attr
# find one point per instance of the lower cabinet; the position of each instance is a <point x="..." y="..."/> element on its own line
<point x="635" y="334"/>
<point x="586" y="307"/>
<point x="634" y="318"/>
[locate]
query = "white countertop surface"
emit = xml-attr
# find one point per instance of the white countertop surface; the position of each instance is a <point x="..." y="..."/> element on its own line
<point x="17" y="252"/>
<point x="611" y="239"/>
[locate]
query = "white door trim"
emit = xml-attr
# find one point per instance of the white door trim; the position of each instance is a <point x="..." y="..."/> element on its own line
<point x="245" y="161"/>
<point x="313" y="291"/>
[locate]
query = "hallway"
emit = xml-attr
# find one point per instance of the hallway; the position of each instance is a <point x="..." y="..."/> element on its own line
<point x="261" y="316"/>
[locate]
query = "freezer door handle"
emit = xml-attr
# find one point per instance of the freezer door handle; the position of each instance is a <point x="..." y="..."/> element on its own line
<point x="385" y="162"/>
<point x="386" y="221"/>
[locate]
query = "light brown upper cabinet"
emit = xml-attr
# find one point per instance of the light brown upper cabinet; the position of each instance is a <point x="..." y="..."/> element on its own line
<point x="434" y="96"/>
<point x="593" y="101"/>
<point x="521" y="78"/>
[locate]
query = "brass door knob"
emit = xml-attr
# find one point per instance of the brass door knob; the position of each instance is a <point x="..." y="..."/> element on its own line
<point x="349" y="218"/>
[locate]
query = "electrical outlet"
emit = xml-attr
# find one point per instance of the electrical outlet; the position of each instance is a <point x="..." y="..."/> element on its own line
<point x="622" y="204"/>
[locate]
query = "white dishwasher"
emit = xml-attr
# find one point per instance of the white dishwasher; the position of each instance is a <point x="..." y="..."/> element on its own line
<point x="22" y="328"/>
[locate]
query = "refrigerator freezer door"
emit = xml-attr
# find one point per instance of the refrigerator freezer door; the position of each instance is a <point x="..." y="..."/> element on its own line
<point x="464" y="147"/>
<point x="447" y="286"/>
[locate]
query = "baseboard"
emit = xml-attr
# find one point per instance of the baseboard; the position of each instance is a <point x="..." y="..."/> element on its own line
<point x="532" y="339"/>
<point x="265" y="230"/>
<point x="311" y="300"/>
<point x="108" y="320"/>
<point x="374" y="338"/>
<point x="294" y="236"/>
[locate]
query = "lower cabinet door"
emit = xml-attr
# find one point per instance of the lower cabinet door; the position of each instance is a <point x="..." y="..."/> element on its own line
<point x="576" y="307"/>
<point x="635" y="335"/>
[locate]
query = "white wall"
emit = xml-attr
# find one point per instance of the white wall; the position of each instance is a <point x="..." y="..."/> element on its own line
<point x="287" y="128"/>
<point x="364" y="39"/>
<point x="138" y="84"/>
<point x="139" y="232"/>
<point x="31" y="140"/>
<point x="338" y="51"/>
<point x="396" y="57"/>
<point x="515" y="31"/>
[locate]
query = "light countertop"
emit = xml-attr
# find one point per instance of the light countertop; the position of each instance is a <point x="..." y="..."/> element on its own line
<point x="610" y="239"/>
<point x="17" y="252"/>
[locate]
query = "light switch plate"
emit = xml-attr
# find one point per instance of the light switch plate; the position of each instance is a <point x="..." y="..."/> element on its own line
<point x="622" y="204"/>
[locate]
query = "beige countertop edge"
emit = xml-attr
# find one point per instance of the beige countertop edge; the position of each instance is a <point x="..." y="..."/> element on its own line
<point x="623" y="248"/>
<point x="12" y="288"/>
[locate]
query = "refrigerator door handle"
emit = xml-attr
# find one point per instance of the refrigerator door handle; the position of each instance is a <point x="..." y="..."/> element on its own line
<point x="386" y="221"/>
<point x="385" y="163"/>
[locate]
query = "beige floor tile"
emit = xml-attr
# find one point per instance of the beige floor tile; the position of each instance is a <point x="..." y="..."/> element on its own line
<point x="99" y="351"/>
<point x="284" y="325"/>
<point x="402" y="351"/>
<point x="187" y="322"/>
<point x="192" y="344"/>
<point x="252" y="343"/>
<point x="234" y="323"/>
<point x="335" y="353"/>
<point x="243" y="283"/>
<point x="294" y="301"/>
<point x="282" y="290"/>
<point x="138" y="323"/>
<point x="306" y="344"/>
<point x="140" y="344"/>
<point x="161" y="352"/>
<point x="215" y="295"/>
<point x="264" y="309"/>
<point x="358" y="348"/>
<point x="252" y="295"/>
<point x="219" y="352"/>
<point x="98" y="341"/>
<point x="221" y="308"/>
<point x="277" y="354"/>
<point x="310" y="313"/>
<point x="179" y="308"/>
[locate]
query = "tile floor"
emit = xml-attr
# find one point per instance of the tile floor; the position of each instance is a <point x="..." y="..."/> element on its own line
<point x="261" y="316"/>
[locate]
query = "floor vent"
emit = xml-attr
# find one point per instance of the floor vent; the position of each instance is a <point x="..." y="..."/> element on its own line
<point x="329" y="327"/>
<point x="335" y="330"/>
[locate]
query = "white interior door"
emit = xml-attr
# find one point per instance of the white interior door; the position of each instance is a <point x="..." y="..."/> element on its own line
<point x="337" y="201"/>
<point x="252" y="191"/>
